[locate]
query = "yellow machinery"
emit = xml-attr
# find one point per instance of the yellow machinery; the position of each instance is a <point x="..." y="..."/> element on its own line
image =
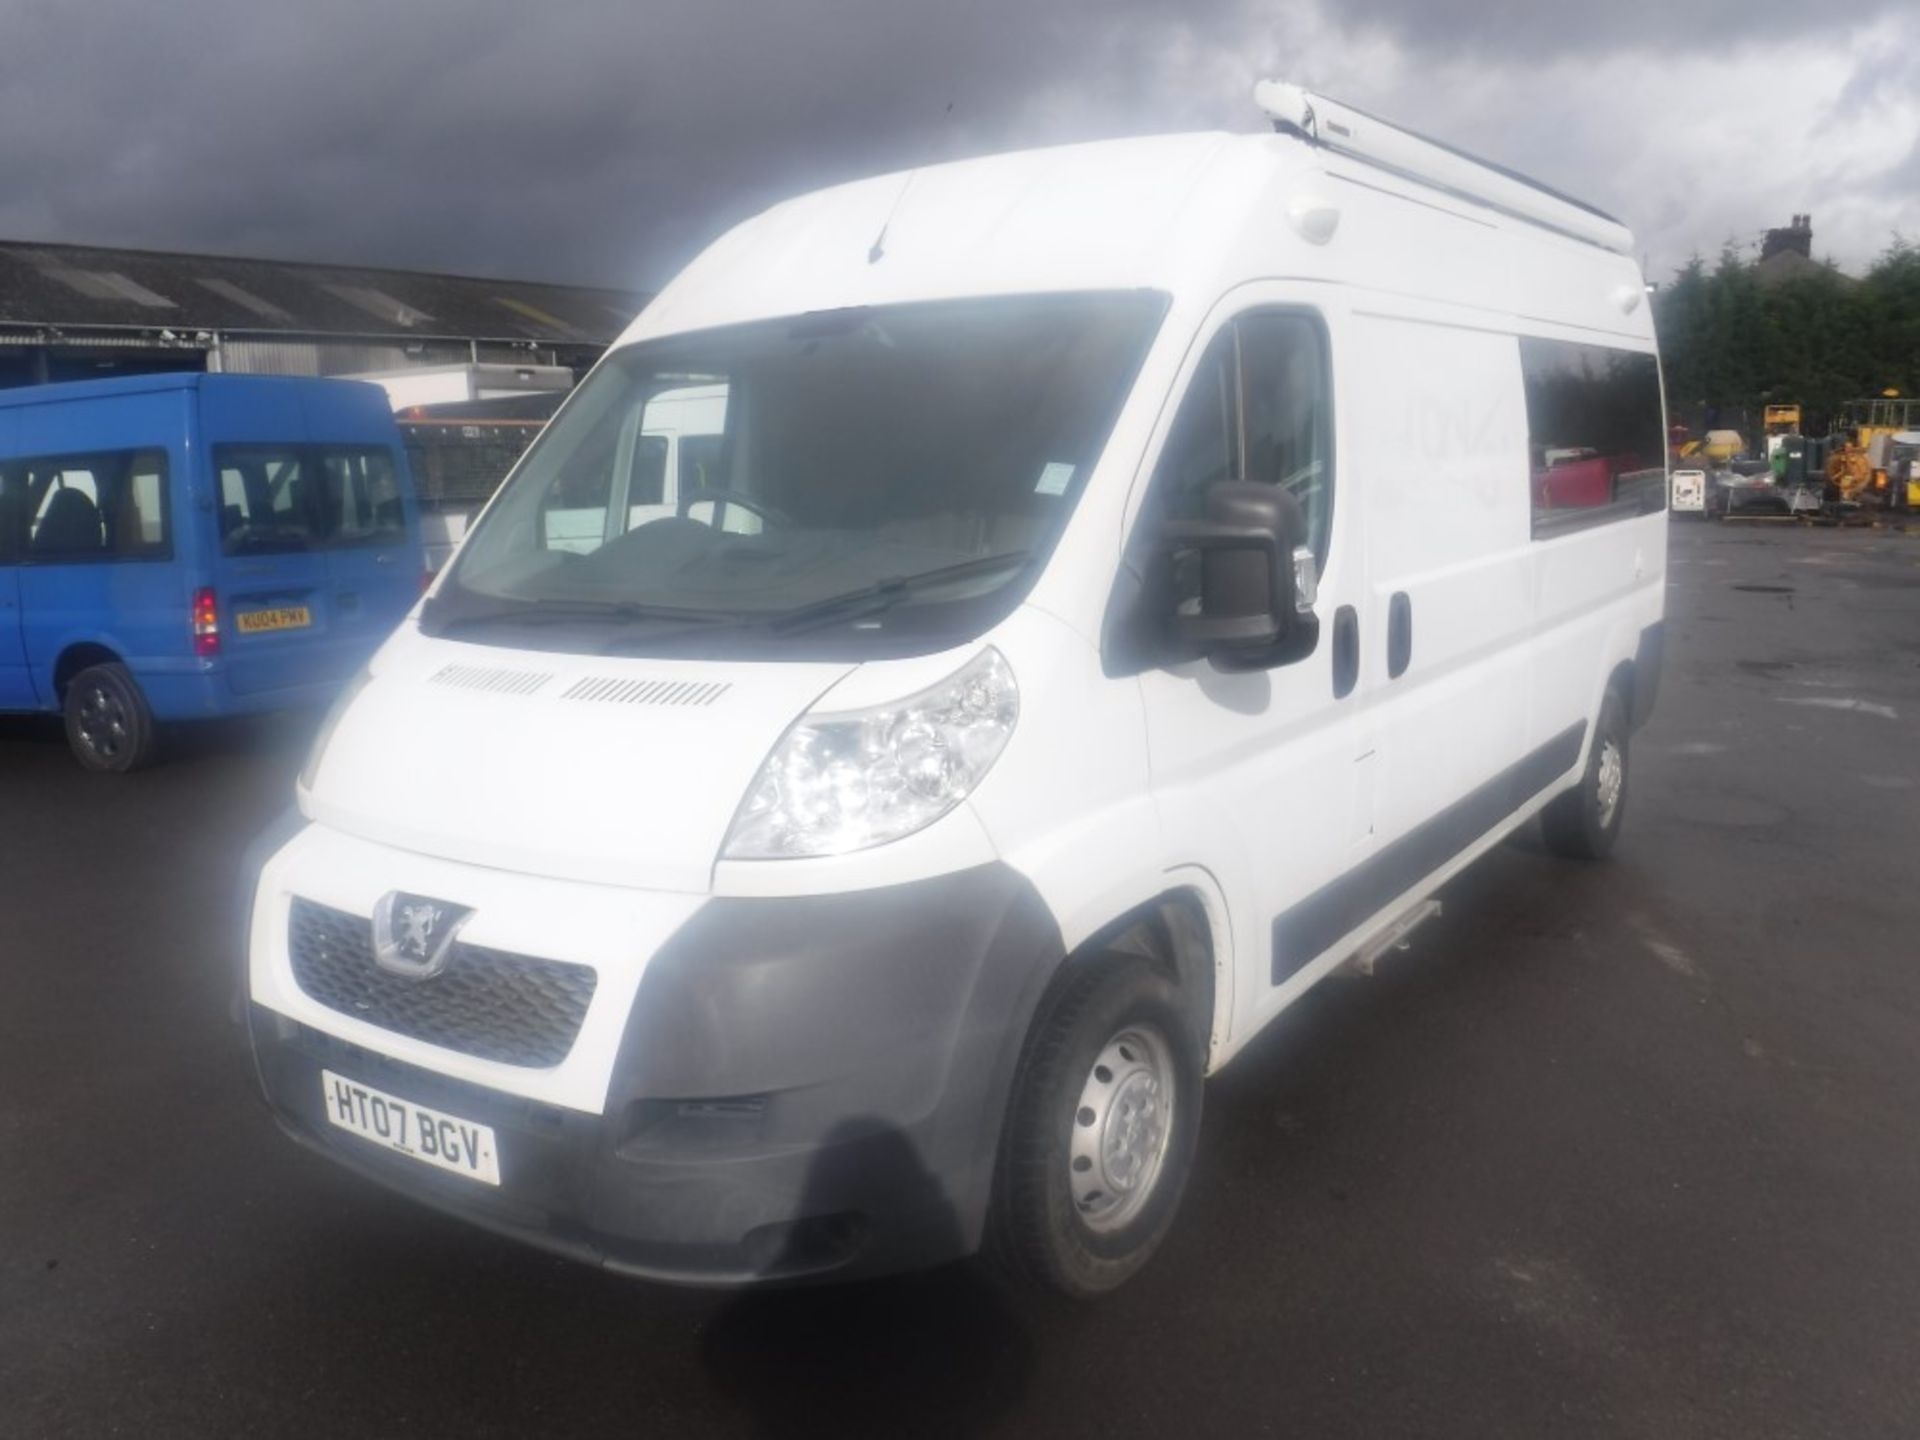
<point x="1858" y="467"/>
<point x="1780" y="420"/>
<point x="1900" y="458"/>
<point x="1722" y="445"/>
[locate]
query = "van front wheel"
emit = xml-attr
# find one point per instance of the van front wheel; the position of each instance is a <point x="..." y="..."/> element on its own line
<point x="109" y="726"/>
<point x="1583" y="823"/>
<point x="1100" y="1132"/>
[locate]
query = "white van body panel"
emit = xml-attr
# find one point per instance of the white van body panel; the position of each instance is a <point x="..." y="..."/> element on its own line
<point x="569" y="766"/>
<point x="581" y="803"/>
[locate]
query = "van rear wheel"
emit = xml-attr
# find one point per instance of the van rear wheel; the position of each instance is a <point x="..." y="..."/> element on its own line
<point x="109" y="726"/>
<point x="1100" y="1132"/>
<point x="1583" y="823"/>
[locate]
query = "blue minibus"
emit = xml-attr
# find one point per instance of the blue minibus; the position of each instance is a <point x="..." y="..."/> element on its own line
<point x="176" y="547"/>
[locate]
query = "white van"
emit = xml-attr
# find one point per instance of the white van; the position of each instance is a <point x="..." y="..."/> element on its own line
<point x="673" y="462"/>
<point x="1159" y="588"/>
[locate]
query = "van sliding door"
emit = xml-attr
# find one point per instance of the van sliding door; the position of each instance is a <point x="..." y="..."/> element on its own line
<point x="1439" y="441"/>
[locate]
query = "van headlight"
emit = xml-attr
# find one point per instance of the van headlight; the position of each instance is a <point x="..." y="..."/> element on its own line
<point x="310" y="771"/>
<point x="860" y="778"/>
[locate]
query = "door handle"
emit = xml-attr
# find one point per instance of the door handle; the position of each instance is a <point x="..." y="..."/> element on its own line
<point x="1399" y="634"/>
<point x="1346" y="651"/>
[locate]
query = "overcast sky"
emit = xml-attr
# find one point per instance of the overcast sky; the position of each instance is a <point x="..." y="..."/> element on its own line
<point x="606" y="142"/>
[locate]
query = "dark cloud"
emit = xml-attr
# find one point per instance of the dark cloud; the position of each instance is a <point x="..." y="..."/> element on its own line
<point x="1688" y="34"/>
<point x="605" y="142"/>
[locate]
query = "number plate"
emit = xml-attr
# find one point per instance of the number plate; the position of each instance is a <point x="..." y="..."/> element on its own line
<point x="429" y="1136"/>
<point x="289" y="617"/>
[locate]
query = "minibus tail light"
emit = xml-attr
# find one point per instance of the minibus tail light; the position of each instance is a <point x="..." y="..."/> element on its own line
<point x="206" y="622"/>
<point x="860" y="778"/>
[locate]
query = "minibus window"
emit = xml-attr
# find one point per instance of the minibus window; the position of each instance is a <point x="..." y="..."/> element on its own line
<point x="266" y="500"/>
<point x="812" y="459"/>
<point x="103" y="506"/>
<point x="142" y="523"/>
<point x="363" y="497"/>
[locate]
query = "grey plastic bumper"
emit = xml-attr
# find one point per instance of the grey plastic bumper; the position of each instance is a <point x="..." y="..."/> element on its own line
<point x="806" y="1086"/>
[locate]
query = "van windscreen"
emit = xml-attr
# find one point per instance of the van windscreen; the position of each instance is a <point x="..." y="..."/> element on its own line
<point x="888" y="470"/>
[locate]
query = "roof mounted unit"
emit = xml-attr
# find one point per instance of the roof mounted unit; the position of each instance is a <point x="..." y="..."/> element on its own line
<point x="1347" y="131"/>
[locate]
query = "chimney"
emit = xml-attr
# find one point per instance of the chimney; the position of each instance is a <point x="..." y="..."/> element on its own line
<point x="1796" y="237"/>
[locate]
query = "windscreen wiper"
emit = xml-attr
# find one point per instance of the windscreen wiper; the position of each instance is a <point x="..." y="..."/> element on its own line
<point x="884" y="593"/>
<point x="555" y="612"/>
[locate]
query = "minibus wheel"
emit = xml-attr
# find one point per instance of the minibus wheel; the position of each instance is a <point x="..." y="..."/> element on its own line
<point x="1583" y="823"/>
<point x="109" y="726"/>
<point x="1101" y="1129"/>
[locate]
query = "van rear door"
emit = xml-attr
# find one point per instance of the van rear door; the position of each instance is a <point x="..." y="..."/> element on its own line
<point x="373" y="568"/>
<point x="270" y="569"/>
<point x="374" y="561"/>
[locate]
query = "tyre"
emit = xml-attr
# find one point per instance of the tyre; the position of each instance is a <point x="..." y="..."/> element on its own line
<point x="109" y="726"/>
<point x="1583" y="823"/>
<point x="1100" y="1130"/>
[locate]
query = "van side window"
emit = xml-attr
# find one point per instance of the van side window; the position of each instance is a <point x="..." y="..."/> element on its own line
<point x="649" y="484"/>
<point x="363" y="496"/>
<point x="1596" y="438"/>
<point x="1288" y="414"/>
<point x="267" y="505"/>
<point x="699" y="461"/>
<point x="1259" y="407"/>
<point x="92" y="507"/>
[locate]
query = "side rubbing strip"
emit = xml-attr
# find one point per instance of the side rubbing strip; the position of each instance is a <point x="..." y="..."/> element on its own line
<point x="1317" y="922"/>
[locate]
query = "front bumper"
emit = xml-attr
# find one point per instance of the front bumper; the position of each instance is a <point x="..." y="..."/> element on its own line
<point x="802" y="1087"/>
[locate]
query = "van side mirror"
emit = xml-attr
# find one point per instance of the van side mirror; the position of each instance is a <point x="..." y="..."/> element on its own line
<point x="1258" y="580"/>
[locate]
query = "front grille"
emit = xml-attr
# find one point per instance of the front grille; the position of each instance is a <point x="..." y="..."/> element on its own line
<point x="487" y="1003"/>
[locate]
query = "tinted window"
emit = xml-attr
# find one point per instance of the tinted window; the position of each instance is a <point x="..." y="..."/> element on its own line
<point x="1597" y="439"/>
<point x="363" y="497"/>
<point x="111" y="505"/>
<point x="267" y="499"/>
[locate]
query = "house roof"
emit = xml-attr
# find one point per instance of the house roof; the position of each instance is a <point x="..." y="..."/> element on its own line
<point x="77" y="287"/>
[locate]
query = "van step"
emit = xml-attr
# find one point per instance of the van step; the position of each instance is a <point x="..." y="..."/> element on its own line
<point x="1391" y="936"/>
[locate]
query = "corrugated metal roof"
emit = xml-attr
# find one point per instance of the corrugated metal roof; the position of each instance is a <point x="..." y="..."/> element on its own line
<point x="76" y="286"/>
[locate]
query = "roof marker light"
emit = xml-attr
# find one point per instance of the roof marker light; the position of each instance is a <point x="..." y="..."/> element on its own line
<point x="1313" y="219"/>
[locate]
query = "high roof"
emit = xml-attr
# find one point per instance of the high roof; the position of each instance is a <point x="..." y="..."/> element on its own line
<point x="76" y="287"/>
<point x="1190" y="216"/>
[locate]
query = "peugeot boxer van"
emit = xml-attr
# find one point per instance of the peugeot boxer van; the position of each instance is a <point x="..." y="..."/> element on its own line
<point x="1153" y="597"/>
<point x="176" y="547"/>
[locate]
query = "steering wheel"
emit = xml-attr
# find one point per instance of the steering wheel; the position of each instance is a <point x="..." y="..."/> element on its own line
<point x="726" y="495"/>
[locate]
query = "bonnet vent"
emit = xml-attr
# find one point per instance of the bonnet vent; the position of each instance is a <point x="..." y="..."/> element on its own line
<point x="647" y="692"/>
<point x="479" y="677"/>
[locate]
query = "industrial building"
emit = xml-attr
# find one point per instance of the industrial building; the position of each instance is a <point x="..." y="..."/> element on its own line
<point x="70" y="312"/>
<point x="472" y="364"/>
